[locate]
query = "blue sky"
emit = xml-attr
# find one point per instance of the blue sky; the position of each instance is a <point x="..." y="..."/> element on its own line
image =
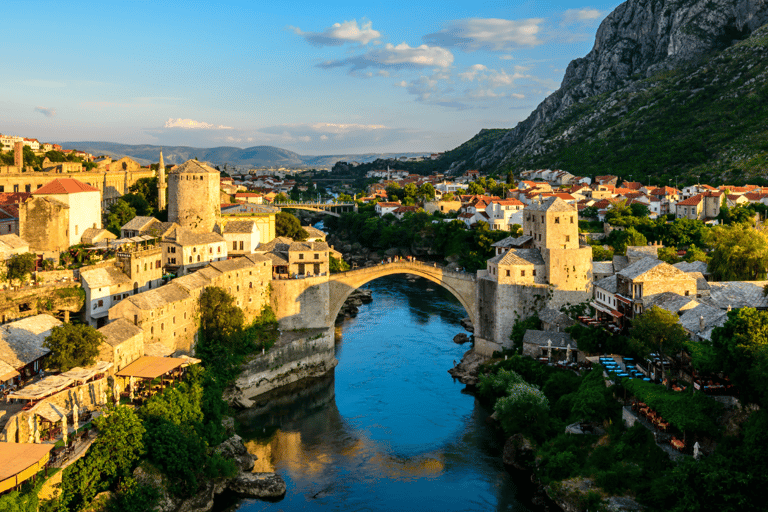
<point x="311" y="77"/>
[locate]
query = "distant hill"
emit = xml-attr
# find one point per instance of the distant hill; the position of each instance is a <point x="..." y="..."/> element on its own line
<point x="257" y="156"/>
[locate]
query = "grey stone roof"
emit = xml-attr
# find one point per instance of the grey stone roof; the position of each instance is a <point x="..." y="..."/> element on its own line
<point x="738" y="294"/>
<point x="314" y="232"/>
<point x="14" y="241"/>
<point x="551" y="204"/>
<point x="670" y="301"/>
<point x="159" y="297"/>
<point x="104" y="276"/>
<point x="193" y="166"/>
<point x="602" y="267"/>
<point x="281" y="243"/>
<point x="159" y="229"/>
<point x="240" y="226"/>
<point x="540" y="338"/>
<point x="92" y="234"/>
<point x="702" y="285"/>
<point x="139" y="223"/>
<point x="277" y="259"/>
<point x="512" y="241"/>
<point x="21" y="342"/>
<point x="643" y="251"/>
<point x="620" y="262"/>
<point x="607" y="283"/>
<point x="308" y="246"/>
<point x="639" y="268"/>
<point x="711" y="317"/>
<point x="555" y="317"/>
<point x="183" y="236"/>
<point x="520" y="257"/>
<point x="118" y="331"/>
<point x="693" y="266"/>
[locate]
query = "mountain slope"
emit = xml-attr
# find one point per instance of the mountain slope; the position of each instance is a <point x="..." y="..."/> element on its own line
<point x="656" y="65"/>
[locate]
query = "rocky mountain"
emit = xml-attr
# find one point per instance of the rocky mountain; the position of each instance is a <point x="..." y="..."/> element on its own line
<point x="257" y="156"/>
<point x="644" y="51"/>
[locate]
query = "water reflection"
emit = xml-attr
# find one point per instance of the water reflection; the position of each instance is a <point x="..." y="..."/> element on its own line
<point x="389" y="429"/>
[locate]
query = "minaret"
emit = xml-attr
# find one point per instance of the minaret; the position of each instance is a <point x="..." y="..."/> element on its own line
<point x="161" y="184"/>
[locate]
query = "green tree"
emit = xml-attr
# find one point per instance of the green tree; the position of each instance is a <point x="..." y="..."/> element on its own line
<point x="180" y="404"/>
<point x="138" y="203"/>
<point x="475" y="188"/>
<point x="657" y="330"/>
<point x="669" y="255"/>
<point x="147" y="188"/>
<point x="219" y="315"/>
<point x="338" y="265"/>
<point x="639" y="210"/>
<point x="740" y="253"/>
<point x="288" y="225"/>
<point x="73" y="345"/>
<point x="110" y="458"/>
<point x="739" y="349"/>
<point x="410" y="190"/>
<point x="426" y="192"/>
<point x="119" y="214"/>
<point x="19" y="266"/>
<point x="600" y="253"/>
<point x="590" y="212"/>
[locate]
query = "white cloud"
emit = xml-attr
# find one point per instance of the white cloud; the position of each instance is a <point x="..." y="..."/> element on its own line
<point x="518" y="95"/>
<point x="471" y="72"/>
<point x="46" y="111"/>
<point x="341" y="33"/>
<point x="493" y="34"/>
<point x="505" y="57"/>
<point x="396" y="57"/>
<point x="584" y="15"/>
<point x="191" y="124"/>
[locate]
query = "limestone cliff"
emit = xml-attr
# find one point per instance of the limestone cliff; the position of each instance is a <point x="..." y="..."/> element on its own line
<point x="636" y="41"/>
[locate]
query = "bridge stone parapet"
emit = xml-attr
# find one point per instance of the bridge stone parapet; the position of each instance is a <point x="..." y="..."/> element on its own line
<point x="327" y="208"/>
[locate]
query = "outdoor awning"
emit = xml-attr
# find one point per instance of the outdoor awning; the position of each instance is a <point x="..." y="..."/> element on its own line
<point x="20" y="462"/>
<point x="49" y="411"/>
<point x="46" y="387"/>
<point x="149" y="367"/>
<point x="83" y="374"/>
<point x="7" y="372"/>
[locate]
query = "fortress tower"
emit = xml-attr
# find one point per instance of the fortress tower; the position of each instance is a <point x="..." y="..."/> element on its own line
<point x="193" y="196"/>
<point x="161" y="184"/>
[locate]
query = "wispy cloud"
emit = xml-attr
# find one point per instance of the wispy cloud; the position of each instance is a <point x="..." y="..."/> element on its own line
<point x="341" y="33"/>
<point x="584" y="15"/>
<point x="401" y="56"/>
<point x="191" y="124"/>
<point x="46" y="111"/>
<point x="493" y="34"/>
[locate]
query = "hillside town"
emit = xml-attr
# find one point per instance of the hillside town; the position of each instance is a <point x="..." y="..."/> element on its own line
<point x="138" y="280"/>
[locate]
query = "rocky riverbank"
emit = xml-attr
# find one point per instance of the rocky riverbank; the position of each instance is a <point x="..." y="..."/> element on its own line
<point x="350" y="308"/>
<point x="246" y="483"/>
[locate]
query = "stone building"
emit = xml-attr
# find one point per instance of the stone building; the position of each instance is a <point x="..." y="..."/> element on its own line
<point x="21" y="343"/>
<point x="640" y="281"/>
<point x="123" y="343"/>
<point x="83" y="200"/>
<point x="44" y="223"/>
<point x="169" y="315"/>
<point x="242" y="237"/>
<point x="545" y="267"/>
<point x="193" y="196"/>
<point x="185" y="250"/>
<point x="262" y="215"/>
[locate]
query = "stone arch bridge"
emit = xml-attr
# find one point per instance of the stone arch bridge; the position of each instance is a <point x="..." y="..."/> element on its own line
<point x="315" y="302"/>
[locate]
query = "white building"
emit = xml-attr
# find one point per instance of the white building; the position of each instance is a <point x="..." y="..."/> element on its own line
<point x="242" y="237"/>
<point x="502" y="214"/>
<point x="84" y="203"/>
<point x="184" y="250"/>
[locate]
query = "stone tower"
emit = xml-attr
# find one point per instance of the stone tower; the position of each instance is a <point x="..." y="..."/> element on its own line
<point x="161" y="184"/>
<point x="18" y="155"/>
<point x="193" y="196"/>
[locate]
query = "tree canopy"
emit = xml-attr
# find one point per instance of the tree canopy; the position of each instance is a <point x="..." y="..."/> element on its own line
<point x="288" y="225"/>
<point x="740" y="253"/>
<point x="119" y="214"/>
<point x="219" y="316"/>
<point x="19" y="266"/>
<point x="73" y="345"/>
<point x="657" y="330"/>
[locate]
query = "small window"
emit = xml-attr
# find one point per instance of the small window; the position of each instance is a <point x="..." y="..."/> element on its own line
<point x="522" y="273"/>
<point x="534" y="272"/>
<point x="317" y="256"/>
<point x="234" y="245"/>
<point x="242" y="245"/>
<point x="571" y="219"/>
<point x="301" y="256"/>
<point x="507" y="273"/>
<point x="567" y="238"/>
<point x="557" y="220"/>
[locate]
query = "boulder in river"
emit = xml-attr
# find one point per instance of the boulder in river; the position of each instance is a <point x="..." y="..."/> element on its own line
<point x="467" y="370"/>
<point x="258" y="485"/>
<point x="519" y="452"/>
<point x="460" y="338"/>
<point x="467" y="324"/>
<point x="233" y="448"/>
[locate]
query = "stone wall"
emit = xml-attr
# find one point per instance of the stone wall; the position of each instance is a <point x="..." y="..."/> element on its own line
<point x="297" y="355"/>
<point x="44" y="224"/>
<point x="87" y="396"/>
<point x="302" y="303"/>
<point x="570" y="269"/>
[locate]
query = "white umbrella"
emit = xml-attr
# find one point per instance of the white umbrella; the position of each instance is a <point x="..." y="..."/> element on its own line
<point x="130" y="384"/>
<point x="37" y="431"/>
<point x="549" y="349"/>
<point x="568" y="353"/>
<point x="75" y="417"/>
<point x="696" y="451"/>
<point x="30" y="424"/>
<point x="64" y="429"/>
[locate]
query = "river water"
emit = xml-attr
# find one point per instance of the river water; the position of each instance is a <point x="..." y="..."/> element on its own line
<point x="389" y="429"/>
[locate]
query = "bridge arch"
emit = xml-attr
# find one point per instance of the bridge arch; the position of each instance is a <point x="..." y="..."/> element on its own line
<point x="459" y="284"/>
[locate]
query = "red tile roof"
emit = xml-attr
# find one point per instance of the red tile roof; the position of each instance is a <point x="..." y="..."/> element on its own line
<point x="14" y="197"/>
<point x="65" y="186"/>
<point x="691" y="201"/>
